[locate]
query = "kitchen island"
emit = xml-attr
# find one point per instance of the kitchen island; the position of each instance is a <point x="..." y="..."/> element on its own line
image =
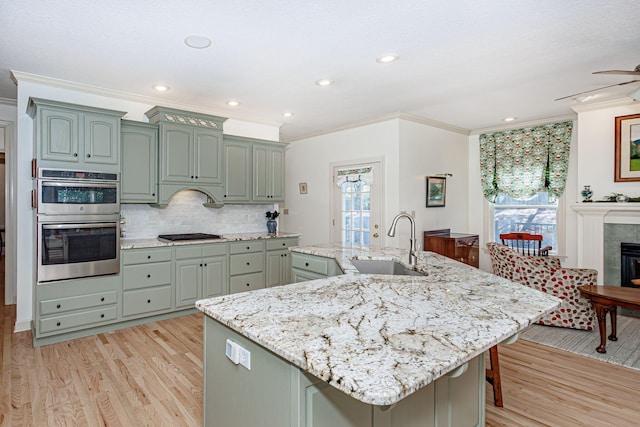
<point x="358" y="349"/>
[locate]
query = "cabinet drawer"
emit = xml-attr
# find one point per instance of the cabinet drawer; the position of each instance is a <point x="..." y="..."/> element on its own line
<point x="246" y="282"/>
<point x="273" y="244"/>
<point x="74" y="320"/>
<point x="247" y="263"/>
<point x="214" y="250"/>
<point x="146" y="300"/>
<point x="141" y="256"/>
<point x="146" y="275"/>
<point x="311" y="263"/>
<point x="189" y="251"/>
<point x="61" y="305"/>
<point x="246" y="246"/>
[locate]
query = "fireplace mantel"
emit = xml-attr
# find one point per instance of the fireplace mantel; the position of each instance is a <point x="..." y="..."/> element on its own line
<point x="591" y="219"/>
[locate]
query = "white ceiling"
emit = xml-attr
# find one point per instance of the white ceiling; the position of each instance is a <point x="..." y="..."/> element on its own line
<point x="465" y="63"/>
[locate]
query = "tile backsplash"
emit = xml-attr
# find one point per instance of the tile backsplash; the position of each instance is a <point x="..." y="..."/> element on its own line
<point x="185" y="214"/>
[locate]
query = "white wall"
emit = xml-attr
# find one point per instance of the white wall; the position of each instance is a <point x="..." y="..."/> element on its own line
<point x="427" y="151"/>
<point x="596" y="151"/>
<point x="410" y="150"/>
<point x="309" y="161"/>
<point x="24" y="261"/>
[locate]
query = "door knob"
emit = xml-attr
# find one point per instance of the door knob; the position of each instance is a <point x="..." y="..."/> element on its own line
<point x="376" y="226"/>
<point x="376" y="235"/>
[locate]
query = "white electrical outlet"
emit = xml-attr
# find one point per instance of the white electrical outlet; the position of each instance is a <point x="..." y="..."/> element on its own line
<point x="245" y="358"/>
<point x="238" y="354"/>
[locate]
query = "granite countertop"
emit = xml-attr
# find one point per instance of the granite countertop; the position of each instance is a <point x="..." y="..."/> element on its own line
<point x="153" y="242"/>
<point x="380" y="338"/>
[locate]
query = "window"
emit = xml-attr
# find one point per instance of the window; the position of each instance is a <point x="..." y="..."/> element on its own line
<point x="355" y="215"/>
<point x="536" y="215"/>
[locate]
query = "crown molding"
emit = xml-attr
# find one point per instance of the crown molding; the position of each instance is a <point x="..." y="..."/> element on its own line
<point x="612" y="103"/>
<point x="520" y="125"/>
<point x="380" y="119"/>
<point x="20" y="76"/>
<point x="9" y="101"/>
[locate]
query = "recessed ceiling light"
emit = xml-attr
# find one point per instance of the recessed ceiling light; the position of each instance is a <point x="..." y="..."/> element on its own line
<point x="197" y="42"/>
<point x="509" y="119"/>
<point x="161" y="88"/>
<point x="387" y="58"/>
<point x="287" y="114"/>
<point x="324" y="82"/>
<point x="233" y="103"/>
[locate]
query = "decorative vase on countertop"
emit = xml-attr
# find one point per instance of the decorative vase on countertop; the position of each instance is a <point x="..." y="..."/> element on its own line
<point x="586" y="193"/>
<point x="272" y="225"/>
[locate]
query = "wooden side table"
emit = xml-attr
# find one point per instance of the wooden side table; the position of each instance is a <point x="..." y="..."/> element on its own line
<point x="606" y="299"/>
<point x="458" y="246"/>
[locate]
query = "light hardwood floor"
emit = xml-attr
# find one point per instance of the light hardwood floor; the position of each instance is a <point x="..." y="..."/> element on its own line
<point x="151" y="375"/>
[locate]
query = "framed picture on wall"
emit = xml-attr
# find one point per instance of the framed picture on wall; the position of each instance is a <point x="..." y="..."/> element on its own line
<point x="436" y="191"/>
<point x="627" y="155"/>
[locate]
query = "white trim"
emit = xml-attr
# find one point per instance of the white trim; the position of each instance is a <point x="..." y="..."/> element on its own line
<point x="22" y="326"/>
<point x="19" y="76"/>
<point x="10" y="284"/>
<point x="8" y="101"/>
<point x="385" y="118"/>
<point x="520" y="125"/>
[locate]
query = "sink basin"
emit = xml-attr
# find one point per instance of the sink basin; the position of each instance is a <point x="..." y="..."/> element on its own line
<point x="377" y="266"/>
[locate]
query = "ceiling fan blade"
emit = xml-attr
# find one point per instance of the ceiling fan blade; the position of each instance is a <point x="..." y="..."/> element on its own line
<point x="627" y="73"/>
<point x="595" y="90"/>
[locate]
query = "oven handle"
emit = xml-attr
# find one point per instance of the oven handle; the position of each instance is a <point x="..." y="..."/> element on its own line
<point x="83" y="225"/>
<point x="88" y="184"/>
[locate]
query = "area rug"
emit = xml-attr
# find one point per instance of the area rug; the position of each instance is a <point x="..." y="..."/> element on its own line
<point x="624" y="352"/>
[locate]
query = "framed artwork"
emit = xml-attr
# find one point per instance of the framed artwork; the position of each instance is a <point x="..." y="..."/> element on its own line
<point x="627" y="155"/>
<point x="436" y="191"/>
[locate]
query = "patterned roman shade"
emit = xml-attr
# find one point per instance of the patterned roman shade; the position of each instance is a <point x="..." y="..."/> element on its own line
<point x="523" y="162"/>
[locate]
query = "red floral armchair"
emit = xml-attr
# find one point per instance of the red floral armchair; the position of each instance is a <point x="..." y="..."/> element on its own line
<point x="547" y="275"/>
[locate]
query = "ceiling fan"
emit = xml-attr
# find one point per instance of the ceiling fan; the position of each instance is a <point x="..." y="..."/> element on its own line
<point x="634" y="72"/>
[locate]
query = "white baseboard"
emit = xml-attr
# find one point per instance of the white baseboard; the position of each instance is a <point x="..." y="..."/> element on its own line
<point x="22" y="326"/>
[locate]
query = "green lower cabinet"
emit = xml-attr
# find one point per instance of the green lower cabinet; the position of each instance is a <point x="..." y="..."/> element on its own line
<point x="69" y="308"/>
<point x="280" y="394"/>
<point x="310" y="267"/>
<point x="147" y="280"/>
<point x="278" y="261"/>
<point x="201" y="272"/>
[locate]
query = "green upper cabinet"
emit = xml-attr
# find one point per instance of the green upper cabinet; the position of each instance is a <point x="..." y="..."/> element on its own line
<point x="76" y="136"/>
<point x="254" y="170"/>
<point x="268" y="173"/>
<point x="139" y="177"/>
<point x="237" y="169"/>
<point x="190" y="152"/>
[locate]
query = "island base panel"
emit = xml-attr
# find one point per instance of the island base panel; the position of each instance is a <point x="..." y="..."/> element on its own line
<point x="276" y="393"/>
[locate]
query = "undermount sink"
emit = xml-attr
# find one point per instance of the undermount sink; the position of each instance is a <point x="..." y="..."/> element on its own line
<point x="378" y="266"/>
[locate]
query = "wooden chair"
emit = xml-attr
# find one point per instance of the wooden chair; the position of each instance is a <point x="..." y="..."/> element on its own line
<point x="493" y="376"/>
<point x="525" y="243"/>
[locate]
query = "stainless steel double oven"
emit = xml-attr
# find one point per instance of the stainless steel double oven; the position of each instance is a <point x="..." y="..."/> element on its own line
<point x="78" y="224"/>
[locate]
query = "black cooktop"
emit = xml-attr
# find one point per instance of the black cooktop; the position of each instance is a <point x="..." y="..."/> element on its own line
<point x="188" y="236"/>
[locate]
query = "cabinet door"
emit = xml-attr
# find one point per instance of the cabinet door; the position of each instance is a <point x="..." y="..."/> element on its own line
<point x="278" y="268"/>
<point x="176" y="144"/>
<point x="59" y="132"/>
<point x="188" y="281"/>
<point x="261" y="177"/>
<point x="215" y="277"/>
<point x="101" y="139"/>
<point x="276" y="157"/>
<point x="208" y="156"/>
<point x="237" y="169"/>
<point x="139" y="179"/>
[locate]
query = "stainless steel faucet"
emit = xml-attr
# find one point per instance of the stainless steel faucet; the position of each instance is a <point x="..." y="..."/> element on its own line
<point x="413" y="248"/>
